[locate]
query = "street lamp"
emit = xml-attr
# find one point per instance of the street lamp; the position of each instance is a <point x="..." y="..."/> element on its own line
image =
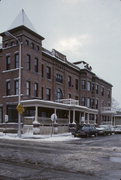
<point x="7" y="33"/>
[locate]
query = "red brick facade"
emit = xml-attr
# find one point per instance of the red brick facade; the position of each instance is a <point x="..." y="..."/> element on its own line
<point x="46" y="75"/>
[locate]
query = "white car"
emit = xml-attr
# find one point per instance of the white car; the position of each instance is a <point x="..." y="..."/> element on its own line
<point x="104" y="130"/>
<point x="117" y="130"/>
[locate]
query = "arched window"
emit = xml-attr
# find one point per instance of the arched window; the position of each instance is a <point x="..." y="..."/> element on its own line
<point x="59" y="94"/>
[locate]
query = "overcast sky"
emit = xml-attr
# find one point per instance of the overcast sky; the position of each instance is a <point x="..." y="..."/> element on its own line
<point x="88" y="30"/>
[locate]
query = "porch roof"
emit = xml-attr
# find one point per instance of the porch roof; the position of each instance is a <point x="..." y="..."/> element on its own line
<point x="57" y="105"/>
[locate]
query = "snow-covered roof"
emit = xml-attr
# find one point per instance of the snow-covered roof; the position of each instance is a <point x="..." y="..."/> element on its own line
<point x="52" y="104"/>
<point x="22" y="20"/>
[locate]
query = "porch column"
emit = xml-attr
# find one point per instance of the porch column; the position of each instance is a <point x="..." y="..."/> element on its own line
<point x="69" y="112"/>
<point x="36" y="124"/>
<point x="114" y="121"/>
<point x="101" y="119"/>
<point x="84" y="117"/>
<point x="55" y="111"/>
<point x="73" y="117"/>
<point x="88" y="118"/>
<point x="111" y="119"/>
<point x="36" y="114"/>
<point x="94" y="118"/>
<point x="80" y="118"/>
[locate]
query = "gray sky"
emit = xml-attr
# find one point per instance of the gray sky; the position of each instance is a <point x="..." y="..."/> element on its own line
<point x="88" y="30"/>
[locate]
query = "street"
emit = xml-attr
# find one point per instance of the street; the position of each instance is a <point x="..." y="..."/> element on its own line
<point x="95" y="158"/>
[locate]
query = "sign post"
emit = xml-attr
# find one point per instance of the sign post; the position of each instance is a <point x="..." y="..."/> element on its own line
<point x="6" y="121"/>
<point x="20" y="109"/>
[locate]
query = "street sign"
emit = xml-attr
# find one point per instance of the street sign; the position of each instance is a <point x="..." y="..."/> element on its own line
<point x="53" y="117"/>
<point x="20" y="109"/>
<point x="6" y="118"/>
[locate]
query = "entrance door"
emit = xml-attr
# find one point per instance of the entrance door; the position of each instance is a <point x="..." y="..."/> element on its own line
<point x="1" y="114"/>
<point x="12" y="113"/>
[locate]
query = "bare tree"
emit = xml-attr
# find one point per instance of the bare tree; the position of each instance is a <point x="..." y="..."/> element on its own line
<point x="115" y="105"/>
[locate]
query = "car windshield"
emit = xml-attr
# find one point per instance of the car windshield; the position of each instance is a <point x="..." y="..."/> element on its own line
<point x="85" y="127"/>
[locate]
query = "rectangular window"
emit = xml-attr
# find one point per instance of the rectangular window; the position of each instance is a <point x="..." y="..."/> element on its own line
<point x="69" y="81"/>
<point x="83" y="101"/>
<point x="109" y="104"/>
<point x="48" y="93"/>
<point x="8" y="62"/>
<point x="27" y="42"/>
<point x="92" y="103"/>
<point x="28" y="62"/>
<point x="69" y="96"/>
<point x="76" y="84"/>
<point x="76" y="97"/>
<point x="97" y="88"/>
<point x="102" y="91"/>
<point x="109" y="94"/>
<point x="32" y="45"/>
<point x="59" y="78"/>
<point x="83" y="84"/>
<point x="42" y="93"/>
<point x="42" y="70"/>
<point x="36" y="64"/>
<point x="16" y="87"/>
<point x="48" y="72"/>
<point x="36" y="89"/>
<point x="96" y="103"/>
<point x="88" y="102"/>
<point x="28" y="88"/>
<point x="8" y="88"/>
<point x="88" y="86"/>
<point x="16" y="60"/>
<point x="93" y="86"/>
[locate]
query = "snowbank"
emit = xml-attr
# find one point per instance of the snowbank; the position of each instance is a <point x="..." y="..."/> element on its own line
<point x="40" y="138"/>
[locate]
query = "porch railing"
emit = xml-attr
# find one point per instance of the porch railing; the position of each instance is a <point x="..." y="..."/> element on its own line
<point x="69" y="101"/>
<point x="108" y="110"/>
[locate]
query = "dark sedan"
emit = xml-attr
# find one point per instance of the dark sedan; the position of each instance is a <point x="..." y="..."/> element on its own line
<point x="86" y="131"/>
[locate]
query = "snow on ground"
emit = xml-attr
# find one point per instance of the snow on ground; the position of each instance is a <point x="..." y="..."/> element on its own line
<point x="40" y="138"/>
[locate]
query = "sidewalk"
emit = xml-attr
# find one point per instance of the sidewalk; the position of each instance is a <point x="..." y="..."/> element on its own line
<point x="40" y="138"/>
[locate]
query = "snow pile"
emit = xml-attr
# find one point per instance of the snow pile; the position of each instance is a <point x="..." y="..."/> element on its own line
<point x="40" y="138"/>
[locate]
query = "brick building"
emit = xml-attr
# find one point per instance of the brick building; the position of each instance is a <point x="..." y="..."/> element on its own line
<point x="49" y="83"/>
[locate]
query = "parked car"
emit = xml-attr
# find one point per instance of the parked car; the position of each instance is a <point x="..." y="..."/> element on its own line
<point x="117" y="130"/>
<point x="104" y="130"/>
<point x="85" y="131"/>
<point x="101" y="131"/>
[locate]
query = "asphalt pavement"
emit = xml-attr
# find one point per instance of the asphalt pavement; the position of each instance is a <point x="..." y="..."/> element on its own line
<point x="95" y="158"/>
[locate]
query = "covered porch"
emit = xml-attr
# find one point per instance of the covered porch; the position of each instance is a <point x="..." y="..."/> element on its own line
<point x="108" y="116"/>
<point x="68" y="113"/>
